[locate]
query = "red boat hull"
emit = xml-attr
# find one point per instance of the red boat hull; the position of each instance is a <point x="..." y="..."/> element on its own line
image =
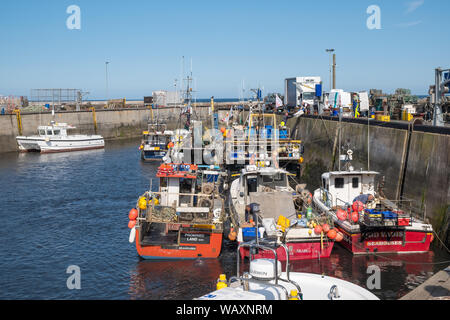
<point x="297" y="251"/>
<point x="181" y="251"/>
<point x="402" y="241"/>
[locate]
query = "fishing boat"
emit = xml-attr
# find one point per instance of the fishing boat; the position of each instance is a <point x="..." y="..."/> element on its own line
<point x="155" y="142"/>
<point x="265" y="280"/>
<point x="184" y="219"/>
<point x="261" y="139"/>
<point x="378" y="226"/>
<point x="282" y="215"/>
<point x="54" y="138"/>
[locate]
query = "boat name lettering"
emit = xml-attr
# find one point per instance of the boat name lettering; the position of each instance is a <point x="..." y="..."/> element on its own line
<point x="383" y="243"/>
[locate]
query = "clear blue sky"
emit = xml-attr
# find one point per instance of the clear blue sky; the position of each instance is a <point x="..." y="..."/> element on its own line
<point x="261" y="42"/>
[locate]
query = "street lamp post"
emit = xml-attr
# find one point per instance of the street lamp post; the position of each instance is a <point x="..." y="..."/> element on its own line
<point x="330" y="51"/>
<point x="106" y="73"/>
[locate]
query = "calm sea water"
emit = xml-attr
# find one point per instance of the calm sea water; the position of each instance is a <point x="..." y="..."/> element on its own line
<point x="59" y="210"/>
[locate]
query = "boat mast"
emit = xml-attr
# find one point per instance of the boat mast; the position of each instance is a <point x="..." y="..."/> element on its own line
<point x="368" y="142"/>
<point x="340" y="135"/>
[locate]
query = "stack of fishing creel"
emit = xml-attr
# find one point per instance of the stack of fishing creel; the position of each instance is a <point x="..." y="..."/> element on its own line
<point x="166" y="214"/>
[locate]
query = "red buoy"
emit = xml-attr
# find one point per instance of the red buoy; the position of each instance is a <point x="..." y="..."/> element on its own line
<point x="355" y="216"/>
<point x="332" y="234"/>
<point x="341" y="214"/>
<point x="358" y="206"/>
<point x="339" y="237"/>
<point x="132" y="224"/>
<point x="133" y="214"/>
<point x="318" y="229"/>
<point x="325" y="228"/>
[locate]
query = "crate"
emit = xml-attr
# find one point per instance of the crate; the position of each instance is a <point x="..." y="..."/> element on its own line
<point x="372" y="218"/>
<point x="383" y="118"/>
<point x="404" y="221"/>
<point x="248" y="234"/>
<point x="389" y="215"/>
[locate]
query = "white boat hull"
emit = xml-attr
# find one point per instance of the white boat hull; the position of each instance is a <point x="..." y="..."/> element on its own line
<point x="55" y="144"/>
<point x="313" y="286"/>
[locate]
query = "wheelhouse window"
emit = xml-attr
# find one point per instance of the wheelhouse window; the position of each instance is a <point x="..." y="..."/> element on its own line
<point x="163" y="182"/>
<point x="252" y="184"/>
<point x="355" y="183"/>
<point x="339" y="183"/>
<point x="49" y="132"/>
<point x="56" y="132"/>
<point x="273" y="181"/>
<point x="42" y="132"/>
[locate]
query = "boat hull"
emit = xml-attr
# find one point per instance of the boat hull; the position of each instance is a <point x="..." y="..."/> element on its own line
<point x="56" y="146"/>
<point x="297" y="251"/>
<point x="399" y="241"/>
<point x="409" y="239"/>
<point x="181" y="251"/>
<point x="153" y="155"/>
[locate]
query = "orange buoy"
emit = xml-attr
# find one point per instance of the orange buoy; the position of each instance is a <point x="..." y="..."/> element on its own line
<point x="355" y="216"/>
<point x="358" y="206"/>
<point x="232" y="235"/>
<point x="341" y="214"/>
<point x="133" y="214"/>
<point x="332" y="234"/>
<point x="222" y="130"/>
<point x="325" y="228"/>
<point x="432" y="238"/>
<point x="132" y="224"/>
<point x="318" y="229"/>
<point x="339" y="237"/>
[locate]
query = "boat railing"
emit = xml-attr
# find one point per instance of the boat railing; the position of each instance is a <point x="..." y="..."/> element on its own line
<point x="261" y="244"/>
<point x="326" y="197"/>
<point x="406" y="206"/>
<point x="340" y="202"/>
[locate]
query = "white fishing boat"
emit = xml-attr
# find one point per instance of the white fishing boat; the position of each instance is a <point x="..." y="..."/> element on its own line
<point x="54" y="138"/>
<point x="155" y="142"/>
<point x="265" y="280"/>
<point x="283" y="215"/>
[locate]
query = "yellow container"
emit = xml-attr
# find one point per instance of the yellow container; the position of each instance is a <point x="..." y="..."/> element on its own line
<point x="283" y="223"/>
<point x="142" y="203"/>
<point x="222" y="282"/>
<point x="294" y="295"/>
<point x="406" y="116"/>
<point x="384" y="118"/>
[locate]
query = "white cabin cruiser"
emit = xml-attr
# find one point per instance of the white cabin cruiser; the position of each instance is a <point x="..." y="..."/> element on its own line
<point x="54" y="138"/>
<point x="266" y="281"/>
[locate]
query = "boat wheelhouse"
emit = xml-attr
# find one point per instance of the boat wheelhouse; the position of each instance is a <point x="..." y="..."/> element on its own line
<point x="184" y="219"/>
<point x="378" y="226"/>
<point x="155" y="141"/>
<point x="283" y="214"/>
<point x="55" y="138"/>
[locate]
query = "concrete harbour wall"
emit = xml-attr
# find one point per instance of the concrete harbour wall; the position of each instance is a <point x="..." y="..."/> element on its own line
<point x="415" y="164"/>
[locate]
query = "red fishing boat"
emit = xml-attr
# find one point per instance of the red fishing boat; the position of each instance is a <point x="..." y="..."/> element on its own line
<point x="377" y="226"/>
<point x="184" y="219"/>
